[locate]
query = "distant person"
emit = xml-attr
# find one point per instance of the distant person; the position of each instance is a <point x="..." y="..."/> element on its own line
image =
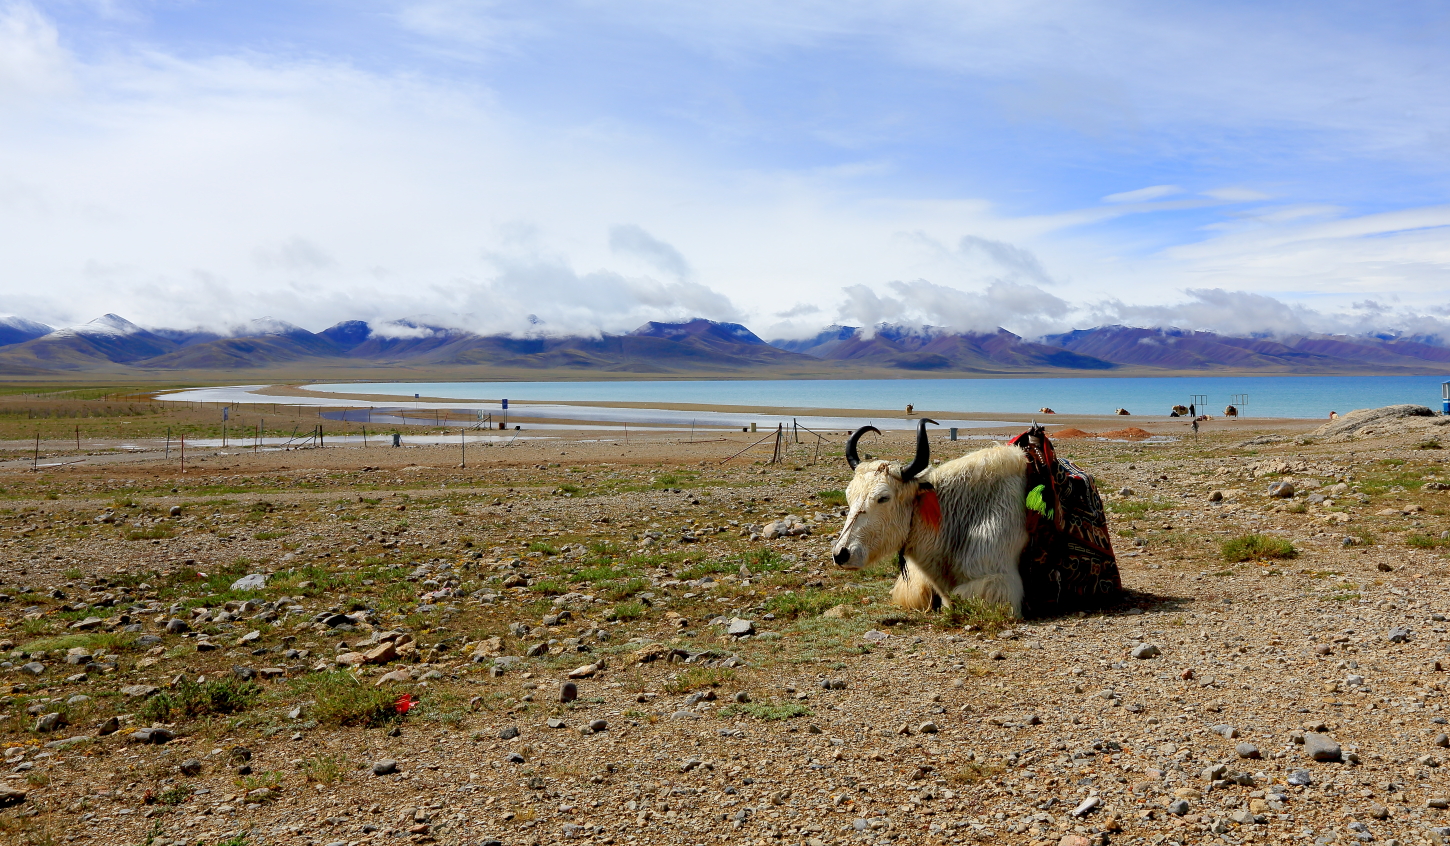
<point x="1333" y="415"/>
<point x="1193" y="410"/>
<point x="397" y="439"/>
<point x="909" y="408"/>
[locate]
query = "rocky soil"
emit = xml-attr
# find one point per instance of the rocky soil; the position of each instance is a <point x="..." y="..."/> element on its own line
<point x="575" y="641"/>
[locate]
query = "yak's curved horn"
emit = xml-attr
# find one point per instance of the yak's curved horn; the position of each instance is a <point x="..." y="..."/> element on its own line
<point x="923" y="452"/>
<point x="852" y="458"/>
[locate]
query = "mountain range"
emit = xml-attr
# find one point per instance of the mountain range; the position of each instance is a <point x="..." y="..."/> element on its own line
<point x="113" y="345"/>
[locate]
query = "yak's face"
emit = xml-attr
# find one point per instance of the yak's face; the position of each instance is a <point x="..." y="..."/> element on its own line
<point x="880" y="513"/>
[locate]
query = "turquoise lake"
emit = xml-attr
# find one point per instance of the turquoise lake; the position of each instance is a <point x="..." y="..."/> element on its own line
<point x="1268" y="396"/>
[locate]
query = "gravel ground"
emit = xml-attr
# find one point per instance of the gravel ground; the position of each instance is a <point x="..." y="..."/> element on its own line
<point x="726" y="687"/>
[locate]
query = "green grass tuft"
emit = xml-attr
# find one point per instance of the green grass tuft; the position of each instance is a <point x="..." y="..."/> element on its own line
<point x="1253" y="547"/>
<point x="768" y="711"/>
<point x="626" y="611"/>
<point x="986" y="616"/>
<point x="695" y="678"/>
<point x="190" y="699"/>
<point x="342" y="700"/>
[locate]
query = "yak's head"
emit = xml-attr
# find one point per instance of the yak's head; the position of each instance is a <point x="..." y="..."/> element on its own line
<point x="882" y="499"/>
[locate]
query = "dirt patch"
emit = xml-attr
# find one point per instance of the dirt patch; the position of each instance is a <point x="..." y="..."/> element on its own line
<point x="1132" y="433"/>
<point x="1070" y="433"/>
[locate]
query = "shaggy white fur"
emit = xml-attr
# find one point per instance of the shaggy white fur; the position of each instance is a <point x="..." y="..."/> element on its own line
<point x="975" y="550"/>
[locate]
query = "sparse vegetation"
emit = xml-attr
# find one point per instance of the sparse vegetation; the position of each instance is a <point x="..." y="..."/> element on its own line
<point x="342" y="700"/>
<point x="986" y="616"/>
<point x="696" y="678"/>
<point x="325" y="769"/>
<point x="1255" y="547"/>
<point x="190" y="699"/>
<point x="769" y="711"/>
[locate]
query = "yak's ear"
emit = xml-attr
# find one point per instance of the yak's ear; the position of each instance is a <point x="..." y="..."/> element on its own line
<point x="928" y="507"/>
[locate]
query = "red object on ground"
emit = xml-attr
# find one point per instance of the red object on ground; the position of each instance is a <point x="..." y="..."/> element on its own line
<point x="405" y="703"/>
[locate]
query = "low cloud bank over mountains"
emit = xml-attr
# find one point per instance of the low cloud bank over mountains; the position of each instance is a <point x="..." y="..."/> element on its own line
<point x="112" y="344"/>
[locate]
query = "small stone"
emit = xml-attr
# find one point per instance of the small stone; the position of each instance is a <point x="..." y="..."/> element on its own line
<point x="1144" y="651"/>
<point x="1282" y="490"/>
<point x="684" y="715"/>
<point x="87" y="623"/>
<point x="254" y="581"/>
<point x="385" y="767"/>
<point x="1321" y="747"/>
<point x="928" y="727"/>
<point x="260" y="795"/>
<point x="1215" y="496"/>
<point x="1442" y="740"/>
<point x="109" y="726"/>
<point x="508" y="732"/>
<point x="49" y="722"/>
<point x="1086" y="806"/>
<point x="556" y="723"/>
<point x="568" y="692"/>
<point x="9" y="796"/>
<point x="1300" y="778"/>
<point x="1439" y="803"/>
<point x="381" y="654"/>
<point x="140" y="691"/>
<point x="514" y="758"/>
<point x="394" y="677"/>
<point x="153" y="735"/>
<point x="1228" y="731"/>
<point x="598" y="725"/>
<point x="175" y="626"/>
<point x="741" y="698"/>
<point x="1379" y="812"/>
<point x="1178" y="808"/>
<point x="739" y="628"/>
<point x="584" y="672"/>
<point x="34" y="668"/>
<point x="1247" y="750"/>
<point x="190" y="767"/>
<point x="1399" y="635"/>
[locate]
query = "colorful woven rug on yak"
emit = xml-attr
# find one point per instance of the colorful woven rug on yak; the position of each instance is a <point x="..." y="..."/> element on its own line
<point x="1068" y="564"/>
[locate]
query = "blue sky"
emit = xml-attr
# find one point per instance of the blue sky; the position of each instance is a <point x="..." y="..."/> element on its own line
<point x="586" y="166"/>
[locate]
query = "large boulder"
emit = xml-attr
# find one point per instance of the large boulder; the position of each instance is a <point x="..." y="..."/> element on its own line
<point x="1390" y="419"/>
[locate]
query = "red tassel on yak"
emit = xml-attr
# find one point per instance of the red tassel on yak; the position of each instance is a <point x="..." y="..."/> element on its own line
<point x="928" y="507"/>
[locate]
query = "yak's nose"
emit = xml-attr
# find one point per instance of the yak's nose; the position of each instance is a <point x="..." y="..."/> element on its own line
<point x="842" y="556"/>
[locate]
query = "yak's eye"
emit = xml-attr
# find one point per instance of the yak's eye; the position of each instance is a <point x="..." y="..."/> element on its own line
<point x="882" y="498"/>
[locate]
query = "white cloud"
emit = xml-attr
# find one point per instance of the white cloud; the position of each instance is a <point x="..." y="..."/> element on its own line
<point x="633" y="240"/>
<point x="1143" y="195"/>
<point x="1024" y="309"/>
<point x="32" y="62"/>
<point x="1236" y="195"/>
<point x="181" y="188"/>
